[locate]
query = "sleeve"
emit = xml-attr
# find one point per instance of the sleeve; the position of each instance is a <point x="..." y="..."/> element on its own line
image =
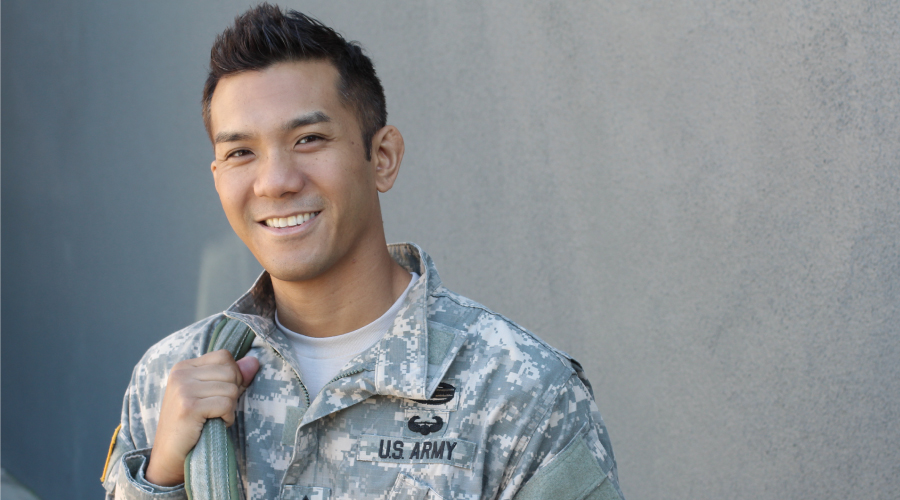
<point x="129" y="452"/>
<point x="569" y="456"/>
<point x="131" y="484"/>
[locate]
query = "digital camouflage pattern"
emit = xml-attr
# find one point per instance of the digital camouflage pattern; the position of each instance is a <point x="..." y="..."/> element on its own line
<point x="508" y="411"/>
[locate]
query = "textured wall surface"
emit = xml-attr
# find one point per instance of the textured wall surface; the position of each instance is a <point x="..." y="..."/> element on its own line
<point x="699" y="200"/>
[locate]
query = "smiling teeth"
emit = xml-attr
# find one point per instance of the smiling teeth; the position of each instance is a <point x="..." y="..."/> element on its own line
<point x="293" y="220"/>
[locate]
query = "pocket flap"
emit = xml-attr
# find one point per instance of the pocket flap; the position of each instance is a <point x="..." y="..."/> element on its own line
<point x="407" y="488"/>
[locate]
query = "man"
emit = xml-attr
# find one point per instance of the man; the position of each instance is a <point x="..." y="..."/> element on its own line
<point x="367" y="378"/>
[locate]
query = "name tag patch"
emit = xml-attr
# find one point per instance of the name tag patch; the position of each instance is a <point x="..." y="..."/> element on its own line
<point x="404" y="450"/>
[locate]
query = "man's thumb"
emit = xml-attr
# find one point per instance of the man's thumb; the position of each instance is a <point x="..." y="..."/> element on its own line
<point x="248" y="367"/>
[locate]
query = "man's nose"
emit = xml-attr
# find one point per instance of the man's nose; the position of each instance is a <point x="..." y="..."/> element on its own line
<point x="278" y="175"/>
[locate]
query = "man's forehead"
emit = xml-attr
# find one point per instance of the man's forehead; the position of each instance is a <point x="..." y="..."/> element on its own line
<point x="281" y="92"/>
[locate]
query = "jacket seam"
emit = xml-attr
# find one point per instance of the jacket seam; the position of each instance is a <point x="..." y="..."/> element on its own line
<point x="564" y="358"/>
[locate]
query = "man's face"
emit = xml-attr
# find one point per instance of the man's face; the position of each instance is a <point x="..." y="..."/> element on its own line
<point x="291" y="169"/>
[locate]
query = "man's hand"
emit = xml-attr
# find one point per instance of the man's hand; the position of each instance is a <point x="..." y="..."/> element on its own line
<point x="198" y="389"/>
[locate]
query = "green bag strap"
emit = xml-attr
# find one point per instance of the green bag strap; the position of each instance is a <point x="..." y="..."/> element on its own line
<point x="210" y="469"/>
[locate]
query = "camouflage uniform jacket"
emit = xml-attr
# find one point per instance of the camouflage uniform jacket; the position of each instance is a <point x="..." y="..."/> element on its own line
<point x="455" y="402"/>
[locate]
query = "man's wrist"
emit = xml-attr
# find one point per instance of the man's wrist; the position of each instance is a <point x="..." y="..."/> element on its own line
<point x="163" y="474"/>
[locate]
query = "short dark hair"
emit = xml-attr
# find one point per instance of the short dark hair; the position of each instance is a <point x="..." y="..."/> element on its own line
<point x="265" y="35"/>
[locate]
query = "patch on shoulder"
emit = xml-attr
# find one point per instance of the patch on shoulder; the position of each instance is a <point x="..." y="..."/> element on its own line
<point x="109" y="455"/>
<point x="571" y="475"/>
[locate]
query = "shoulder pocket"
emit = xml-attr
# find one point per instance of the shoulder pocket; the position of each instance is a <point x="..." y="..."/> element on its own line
<point x="407" y="488"/>
<point x="574" y="474"/>
<point x="606" y="491"/>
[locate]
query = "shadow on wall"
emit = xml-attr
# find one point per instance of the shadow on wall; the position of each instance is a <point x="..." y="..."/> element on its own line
<point x="227" y="271"/>
<point x="11" y="489"/>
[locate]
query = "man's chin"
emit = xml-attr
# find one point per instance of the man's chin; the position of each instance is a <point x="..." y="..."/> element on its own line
<point x="296" y="274"/>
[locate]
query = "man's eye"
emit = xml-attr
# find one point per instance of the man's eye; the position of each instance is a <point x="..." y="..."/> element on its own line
<point x="309" y="139"/>
<point x="239" y="153"/>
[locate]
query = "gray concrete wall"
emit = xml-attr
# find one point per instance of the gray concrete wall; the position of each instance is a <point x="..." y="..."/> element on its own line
<point x="699" y="200"/>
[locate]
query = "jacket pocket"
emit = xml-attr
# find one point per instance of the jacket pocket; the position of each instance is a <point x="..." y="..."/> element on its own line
<point x="407" y="488"/>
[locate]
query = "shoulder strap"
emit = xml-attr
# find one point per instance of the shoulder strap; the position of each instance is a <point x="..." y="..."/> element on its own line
<point x="210" y="469"/>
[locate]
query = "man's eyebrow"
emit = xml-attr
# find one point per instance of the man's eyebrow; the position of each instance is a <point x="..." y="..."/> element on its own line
<point x="231" y="137"/>
<point x="300" y="121"/>
<point x="307" y="119"/>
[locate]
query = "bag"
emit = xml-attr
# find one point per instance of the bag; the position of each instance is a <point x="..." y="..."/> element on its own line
<point x="210" y="469"/>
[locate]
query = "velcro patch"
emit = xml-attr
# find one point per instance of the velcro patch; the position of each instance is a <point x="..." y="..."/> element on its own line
<point x="570" y="475"/>
<point x="454" y="452"/>
<point x="292" y="418"/>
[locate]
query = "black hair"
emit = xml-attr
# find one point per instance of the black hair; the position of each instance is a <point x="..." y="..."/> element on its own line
<point x="265" y="35"/>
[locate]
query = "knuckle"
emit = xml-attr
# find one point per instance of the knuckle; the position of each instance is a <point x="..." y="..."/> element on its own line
<point x="223" y="406"/>
<point x="221" y="355"/>
<point x="189" y="406"/>
<point x="175" y="389"/>
<point x="236" y="373"/>
<point x="176" y="376"/>
<point x="233" y="391"/>
<point x="184" y="386"/>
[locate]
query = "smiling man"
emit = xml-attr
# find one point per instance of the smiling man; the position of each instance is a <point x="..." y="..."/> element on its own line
<point x="367" y="378"/>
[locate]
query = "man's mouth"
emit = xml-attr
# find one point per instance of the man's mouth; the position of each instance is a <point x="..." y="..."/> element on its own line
<point x="293" y="220"/>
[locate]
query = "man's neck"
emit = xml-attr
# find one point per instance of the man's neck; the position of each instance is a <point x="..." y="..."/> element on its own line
<point x="351" y="295"/>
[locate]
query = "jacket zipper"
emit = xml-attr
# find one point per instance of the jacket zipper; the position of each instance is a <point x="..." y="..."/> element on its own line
<point x="300" y="380"/>
<point x="346" y="374"/>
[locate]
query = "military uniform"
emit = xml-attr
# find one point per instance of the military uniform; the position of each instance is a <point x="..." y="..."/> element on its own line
<point x="455" y="402"/>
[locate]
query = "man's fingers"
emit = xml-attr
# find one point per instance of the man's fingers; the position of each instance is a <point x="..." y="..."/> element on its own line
<point x="222" y="356"/>
<point x="211" y="389"/>
<point x="248" y="367"/>
<point x="214" y="407"/>
<point x="224" y="370"/>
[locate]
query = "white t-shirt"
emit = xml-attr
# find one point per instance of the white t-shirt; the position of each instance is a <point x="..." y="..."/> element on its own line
<point x="321" y="359"/>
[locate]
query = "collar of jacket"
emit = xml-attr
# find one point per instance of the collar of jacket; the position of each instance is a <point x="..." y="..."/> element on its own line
<point x="398" y="363"/>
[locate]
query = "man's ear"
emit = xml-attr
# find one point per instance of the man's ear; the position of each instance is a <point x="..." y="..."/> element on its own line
<point x="212" y="168"/>
<point x="387" y="152"/>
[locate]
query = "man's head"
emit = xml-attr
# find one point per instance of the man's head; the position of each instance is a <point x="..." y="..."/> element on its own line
<point x="297" y="183"/>
<point x="264" y="36"/>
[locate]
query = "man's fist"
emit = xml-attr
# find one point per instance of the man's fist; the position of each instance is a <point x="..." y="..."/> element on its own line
<point x="198" y="389"/>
